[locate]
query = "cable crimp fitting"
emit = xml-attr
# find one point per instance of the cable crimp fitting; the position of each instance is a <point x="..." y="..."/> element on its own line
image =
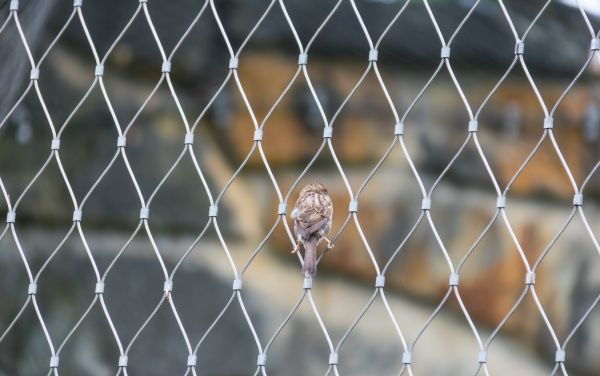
<point x="168" y="285"/>
<point x="373" y="55"/>
<point x="353" y="206"/>
<point x="123" y="358"/>
<point x="233" y="63"/>
<point x="548" y="122"/>
<point x="530" y="278"/>
<point x="307" y="285"/>
<point x="445" y="52"/>
<point x="54" y="361"/>
<point x="144" y="213"/>
<point x="11" y="216"/>
<point x="303" y="59"/>
<point x="99" y="290"/>
<point x="55" y="145"/>
<point x="406" y="357"/>
<point x="333" y="359"/>
<point x="426" y="204"/>
<point x="14" y="5"/>
<point x="519" y="48"/>
<point x="77" y="3"/>
<point x="237" y="284"/>
<point x="189" y="139"/>
<point x="453" y="279"/>
<point x="282" y="209"/>
<point x="32" y="289"/>
<point x="327" y="132"/>
<point x="99" y="70"/>
<point x="482" y="357"/>
<point x="501" y="202"/>
<point x="399" y="129"/>
<point x="473" y="125"/>
<point x="258" y="135"/>
<point x="560" y="356"/>
<point x="166" y="67"/>
<point x="121" y="141"/>
<point x="77" y="214"/>
<point x="213" y="210"/>
<point x="380" y="281"/>
<point x="595" y="44"/>
<point x="578" y="199"/>
<point x="192" y="360"/>
<point x="261" y="360"/>
<point x="34" y="74"/>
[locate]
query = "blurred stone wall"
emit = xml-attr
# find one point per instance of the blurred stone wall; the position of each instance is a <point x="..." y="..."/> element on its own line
<point x="510" y="125"/>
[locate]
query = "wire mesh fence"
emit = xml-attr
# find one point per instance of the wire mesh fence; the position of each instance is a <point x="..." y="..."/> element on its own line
<point x="396" y="133"/>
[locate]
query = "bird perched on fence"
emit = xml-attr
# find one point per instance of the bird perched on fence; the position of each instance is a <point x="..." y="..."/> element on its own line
<point x="312" y="222"/>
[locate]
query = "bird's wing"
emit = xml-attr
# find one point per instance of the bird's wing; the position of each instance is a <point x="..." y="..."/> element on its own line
<point x="314" y="211"/>
<point x="317" y="226"/>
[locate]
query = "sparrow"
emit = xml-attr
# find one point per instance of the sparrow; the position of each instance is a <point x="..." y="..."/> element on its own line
<point x="312" y="222"/>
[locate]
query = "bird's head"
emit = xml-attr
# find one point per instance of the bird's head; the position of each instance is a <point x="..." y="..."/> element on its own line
<point x="314" y="187"/>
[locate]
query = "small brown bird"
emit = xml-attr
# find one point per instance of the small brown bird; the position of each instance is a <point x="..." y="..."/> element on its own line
<point x="312" y="222"/>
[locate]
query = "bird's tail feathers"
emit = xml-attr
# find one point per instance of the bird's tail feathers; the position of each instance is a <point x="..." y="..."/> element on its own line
<point x="310" y="257"/>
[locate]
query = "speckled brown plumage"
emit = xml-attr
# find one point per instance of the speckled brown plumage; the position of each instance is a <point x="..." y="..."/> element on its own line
<point x="312" y="222"/>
